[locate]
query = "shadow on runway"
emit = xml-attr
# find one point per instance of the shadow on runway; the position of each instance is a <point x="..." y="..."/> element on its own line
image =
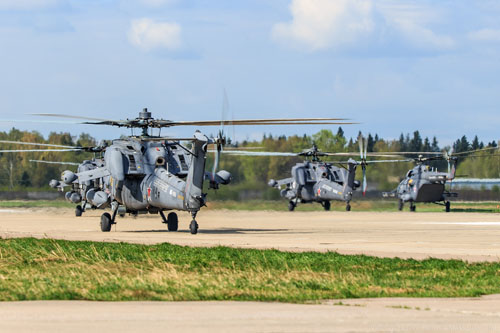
<point x="473" y="210"/>
<point x="225" y="231"/>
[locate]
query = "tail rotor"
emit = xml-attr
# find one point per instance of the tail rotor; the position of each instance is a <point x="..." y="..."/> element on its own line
<point x="363" y="149"/>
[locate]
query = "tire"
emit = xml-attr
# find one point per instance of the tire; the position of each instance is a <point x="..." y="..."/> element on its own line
<point x="193" y="227"/>
<point x="78" y="210"/>
<point x="348" y="207"/>
<point x="326" y="205"/>
<point x="291" y="206"/>
<point x="447" y="206"/>
<point x="400" y="205"/>
<point x="413" y="208"/>
<point x="106" y="222"/>
<point x="172" y="222"/>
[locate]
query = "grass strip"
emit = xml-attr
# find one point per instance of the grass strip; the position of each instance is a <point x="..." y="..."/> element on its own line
<point x="282" y="205"/>
<point x="34" y="269"/>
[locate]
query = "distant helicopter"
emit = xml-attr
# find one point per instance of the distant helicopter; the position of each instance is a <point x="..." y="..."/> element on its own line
<point x="317" y="181"/>
<point x="426" y="184"/>
<point x="151" y="174"/>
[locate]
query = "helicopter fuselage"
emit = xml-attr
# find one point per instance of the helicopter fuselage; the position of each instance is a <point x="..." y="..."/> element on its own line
<point x="317" y="182"/>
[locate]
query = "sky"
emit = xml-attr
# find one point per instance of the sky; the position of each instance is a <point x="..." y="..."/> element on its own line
<point x="392" y="65"/>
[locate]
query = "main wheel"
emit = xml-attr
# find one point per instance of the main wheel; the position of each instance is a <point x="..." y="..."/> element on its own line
<point x="105" y="222"/>
<point x="172" y="222"/>
<point x="326" y="205"/>
<point x="193" y="227"/>
<point x="400" y="204"/>
<point x="78" y="210"/>
<point x="348" y="207"/>
<point x="447" y="206"/>
<point x="291" y="206"/>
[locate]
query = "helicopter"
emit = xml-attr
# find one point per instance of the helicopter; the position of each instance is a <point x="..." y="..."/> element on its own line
<point x="151" y="174"/>
<point x="424" y="183"/>
<point x="314" y="180"/>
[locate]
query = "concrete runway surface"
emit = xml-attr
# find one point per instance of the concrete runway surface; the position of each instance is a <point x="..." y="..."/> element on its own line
<point x="360" y="315"/>
<point x="468" y="236"/>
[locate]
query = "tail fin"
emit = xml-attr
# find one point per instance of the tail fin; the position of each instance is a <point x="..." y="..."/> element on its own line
<point x="349" y="186"/>
<point x="451" y="175"/>
<point x="195" y="198"/>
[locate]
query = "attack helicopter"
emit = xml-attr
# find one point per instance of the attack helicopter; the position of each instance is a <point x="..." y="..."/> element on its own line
<point x="314" y="180"/>
<point x="152" y="174"/>
<point x="424" y="183"/>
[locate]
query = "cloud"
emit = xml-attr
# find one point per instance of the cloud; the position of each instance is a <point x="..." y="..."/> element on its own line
<point x="147" y="34"/>
<point x="485" y="35"/>
<point x="319" y="24"/>
<point x="323" y="24"/>
<point x="27" y="4"/>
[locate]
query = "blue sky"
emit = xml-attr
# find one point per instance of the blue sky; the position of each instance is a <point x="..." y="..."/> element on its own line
<point x="393" y="65"/>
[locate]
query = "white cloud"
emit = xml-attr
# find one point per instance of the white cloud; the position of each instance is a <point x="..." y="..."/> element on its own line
<point x="27" y="4"/>
<point x="485" y="35"/>
<point x="147" y="34"/>
<point x="318" y="24"/>
<point x="322" y="24"/>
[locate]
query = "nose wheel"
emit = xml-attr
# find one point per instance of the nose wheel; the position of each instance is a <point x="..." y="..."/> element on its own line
<point x="348" y="207"/>
<point x="193" y="227"/>
<point x="447" y="206"/>
<point x="413" y="208"/>
<point x="291" y="206"/>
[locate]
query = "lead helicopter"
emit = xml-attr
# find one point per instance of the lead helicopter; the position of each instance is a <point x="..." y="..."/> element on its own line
<point x="151" y="174"/>
<point x="314" y="180"/>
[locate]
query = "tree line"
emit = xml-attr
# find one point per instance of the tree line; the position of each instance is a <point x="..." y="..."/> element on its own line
<point x="251" y="173"/>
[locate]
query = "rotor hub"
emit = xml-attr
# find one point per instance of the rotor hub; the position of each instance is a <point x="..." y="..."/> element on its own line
<point x="145" y="114"/>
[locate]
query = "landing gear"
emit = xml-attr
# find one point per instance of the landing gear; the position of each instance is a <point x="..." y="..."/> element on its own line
<point x="326" y="205"/>
<point x="172" y="221"/>
<point x="78" y="210"/>
<point x="106" y="222"/>
<point x="401" y="204"/>
<point x="413" y="208"/>
<point x="447" y="206"/>
<point x="291" y="206"/>
<point x="193" y="226"/>
<point x="347" y="207"/>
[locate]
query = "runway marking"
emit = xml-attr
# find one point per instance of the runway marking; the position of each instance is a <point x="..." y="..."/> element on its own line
<point x="466" y="223"/>
<point x="11" y="211"/>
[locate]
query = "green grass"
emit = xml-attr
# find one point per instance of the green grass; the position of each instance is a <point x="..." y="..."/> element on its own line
<point x="359" y="205"/>
<point x="282" y="205"/>
<point x="32" y="269"/>
<point x="36" y="204"/>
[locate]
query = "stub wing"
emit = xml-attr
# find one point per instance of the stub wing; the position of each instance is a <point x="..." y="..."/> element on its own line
<point x="93" y="174"/>
<point x="281" y="182"/>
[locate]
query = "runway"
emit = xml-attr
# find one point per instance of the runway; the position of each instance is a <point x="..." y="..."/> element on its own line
<point x="468" y="236"/>
<point x="358" y="315"/>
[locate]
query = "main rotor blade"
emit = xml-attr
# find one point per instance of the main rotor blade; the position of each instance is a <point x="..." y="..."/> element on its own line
<point x="59" y="115"/>
<point x="240" y="122"/>
<point x="55" y="162"/>
<point x="474" y="151"/>
<point x="36" y="150"/>
<point x="36" y="144"/>
<point x="38" y="121"/>
<point x="254" y="153"/>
